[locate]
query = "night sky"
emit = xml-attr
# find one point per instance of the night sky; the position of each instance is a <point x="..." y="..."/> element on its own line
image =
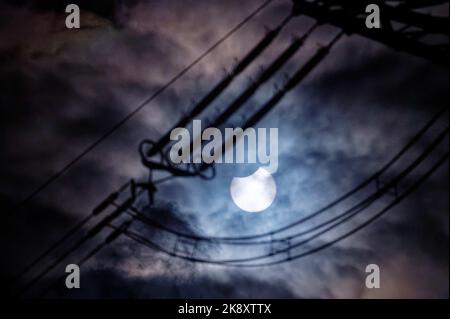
<point x="62" y="89"/>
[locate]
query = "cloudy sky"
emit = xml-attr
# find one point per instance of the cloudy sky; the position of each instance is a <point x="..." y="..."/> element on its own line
<point x="62" y="89"/>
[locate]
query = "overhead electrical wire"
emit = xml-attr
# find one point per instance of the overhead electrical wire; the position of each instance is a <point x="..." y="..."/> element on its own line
<point x="106" y="222"/>
<point x="142" y="105"/>
<point x="341" y="218"/>
<point x="240" y="67"/>
<point x="412" y="142"/>
<point x="258" y="49"/>
<point x="146" y="242"/>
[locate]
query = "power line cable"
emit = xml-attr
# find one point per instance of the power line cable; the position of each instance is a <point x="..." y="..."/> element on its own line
<point x="107" y="220"/>
<point x="130" y="115"/>
<point x="264" y="77"/>
<point x="327" y="207"/>
<point x="146" y="242"/>
<point x="220" y="87"/>
<point x="89" y="235"/>
<point x="369" y="221"/>
<point x="108" y="240"/>
<point x="68" y="235"/>
<point x="359" y="207"/>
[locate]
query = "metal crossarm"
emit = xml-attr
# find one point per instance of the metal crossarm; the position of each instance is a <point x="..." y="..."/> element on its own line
<point x="404" y="27"/>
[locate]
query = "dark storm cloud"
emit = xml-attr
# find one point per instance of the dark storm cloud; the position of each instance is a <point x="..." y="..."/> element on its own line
<point x="64" y="89"/>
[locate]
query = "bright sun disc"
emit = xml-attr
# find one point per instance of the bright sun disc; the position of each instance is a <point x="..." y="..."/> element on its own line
<point x="254" y="193"/>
